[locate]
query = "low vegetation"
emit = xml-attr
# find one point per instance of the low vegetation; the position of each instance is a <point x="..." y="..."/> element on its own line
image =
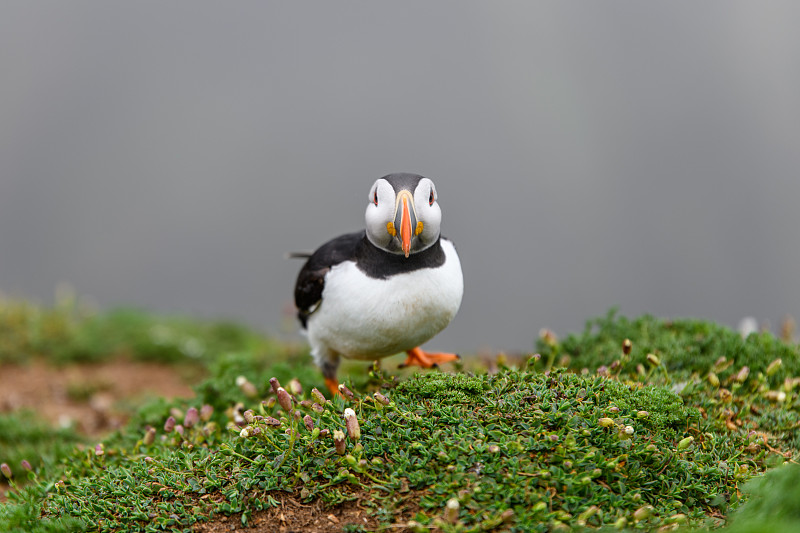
<point x="633" y="424"/>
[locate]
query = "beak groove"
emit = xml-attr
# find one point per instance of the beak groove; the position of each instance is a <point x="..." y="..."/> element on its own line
<point x="405" y="224"/>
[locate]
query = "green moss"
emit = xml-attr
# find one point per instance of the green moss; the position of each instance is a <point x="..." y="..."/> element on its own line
<point x="449" y="388"/>
<point x="683" y="346"/>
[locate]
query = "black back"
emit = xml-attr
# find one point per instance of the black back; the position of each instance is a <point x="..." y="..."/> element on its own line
<point x="370" y="259"/>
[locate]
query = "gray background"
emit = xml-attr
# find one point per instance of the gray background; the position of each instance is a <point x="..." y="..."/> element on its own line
<point x="640" y="154"/>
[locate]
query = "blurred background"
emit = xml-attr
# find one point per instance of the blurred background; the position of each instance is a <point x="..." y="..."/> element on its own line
<point x="640" y="155"/>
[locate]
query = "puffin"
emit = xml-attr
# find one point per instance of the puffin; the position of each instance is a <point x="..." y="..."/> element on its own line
<point x="386" y="289"/>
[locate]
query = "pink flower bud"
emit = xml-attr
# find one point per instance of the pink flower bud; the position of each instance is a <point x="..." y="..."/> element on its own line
<point x="270" y="421"/>
<point x="205" y="412"/>
<point x="249" y="416"/>
<point x="169" y="425"/>
<point x="6" y="470"/>
<point x="275" y="384"/>
<point x="353" y="429"/>
<point x="26" y="465"/>
<point x="99" y="449"/>
<point x="317" y="408"/>
<point x="246" y="387"/>
<point x="309" y="422"/>
<point x="295" y="387"/>
<point x="192" y="417"/>
<point x="284" y="399"/>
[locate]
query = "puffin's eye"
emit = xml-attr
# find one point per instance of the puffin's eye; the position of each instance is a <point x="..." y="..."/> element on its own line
<point x="375" y="197"/>
<point x="430" y="199"/>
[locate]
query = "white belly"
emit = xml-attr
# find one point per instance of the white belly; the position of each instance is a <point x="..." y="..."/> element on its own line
<point x="367" y="318"/>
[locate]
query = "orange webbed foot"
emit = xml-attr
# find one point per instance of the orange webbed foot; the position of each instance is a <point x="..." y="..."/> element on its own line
<point x="333" y="386"/>
<point x="417" y="357"/>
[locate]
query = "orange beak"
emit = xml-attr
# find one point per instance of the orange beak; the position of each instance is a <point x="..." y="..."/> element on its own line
<point x="405" y="221"/>
<point x="405" y="228"/>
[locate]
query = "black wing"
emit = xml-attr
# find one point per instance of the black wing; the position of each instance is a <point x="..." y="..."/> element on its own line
<point x="311" y="279"/>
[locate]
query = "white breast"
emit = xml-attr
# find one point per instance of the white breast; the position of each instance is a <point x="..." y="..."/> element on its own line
<point x="367" y="318"/>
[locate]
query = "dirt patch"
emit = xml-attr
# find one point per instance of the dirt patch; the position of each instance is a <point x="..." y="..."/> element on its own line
<point x="292" y="516"/>
<point x="96" y="397"/>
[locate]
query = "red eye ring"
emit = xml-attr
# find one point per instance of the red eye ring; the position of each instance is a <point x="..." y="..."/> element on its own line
<point x="375" y="197"/>
<point x="430" y="199"/>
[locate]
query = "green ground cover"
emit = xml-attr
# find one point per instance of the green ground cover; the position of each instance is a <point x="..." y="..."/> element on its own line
<point x="633" y="424"/>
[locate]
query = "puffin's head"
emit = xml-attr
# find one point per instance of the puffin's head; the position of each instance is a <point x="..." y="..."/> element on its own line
<point x="403" y="216"/>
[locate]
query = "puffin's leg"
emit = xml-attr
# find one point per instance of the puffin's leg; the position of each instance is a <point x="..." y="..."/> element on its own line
<point x="428" y="359"/>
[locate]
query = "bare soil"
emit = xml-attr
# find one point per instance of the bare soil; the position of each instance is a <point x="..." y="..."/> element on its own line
<point x="95" y="398"/>
<point x="291" y="516"/>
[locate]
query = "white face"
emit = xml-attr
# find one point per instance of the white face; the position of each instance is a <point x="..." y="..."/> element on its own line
<point x="384" y="216"/>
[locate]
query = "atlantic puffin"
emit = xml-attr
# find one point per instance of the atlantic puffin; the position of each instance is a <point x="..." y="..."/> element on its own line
<point x="386" y="289"/>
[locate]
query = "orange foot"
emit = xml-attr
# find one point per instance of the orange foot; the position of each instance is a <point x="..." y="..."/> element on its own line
<point x="428" y="359"/>
<point x="333" y="385"/>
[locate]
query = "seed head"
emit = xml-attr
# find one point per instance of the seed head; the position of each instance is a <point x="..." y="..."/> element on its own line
<point x="742" y="374"/>
<point x="149" y="436"/>
<point x="317" y="408"/>
<point x="713" y="379"/>
<point x="344" y="391"/>
<point x="548" y="336"/>
<point x="249" y="416"/>
<point x="775" y="395"/>
<point x="318" y="396"/>
<point x="192" y="417"/>
<point x="627" y="345"/>
<point x="605" y="422"/>
<point x="353" y="429"/>
<point x="774" y="366"/>
<point x="451" y="510"/>
<point x="653" y="359"/>
<point x="381" y="398"/>
<point x="642" y="513"/>
<point x="685" y="443"/>
<point x="309" y="422"/>
<point x="338" y="441"/>
<point x="270" y="421"/>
